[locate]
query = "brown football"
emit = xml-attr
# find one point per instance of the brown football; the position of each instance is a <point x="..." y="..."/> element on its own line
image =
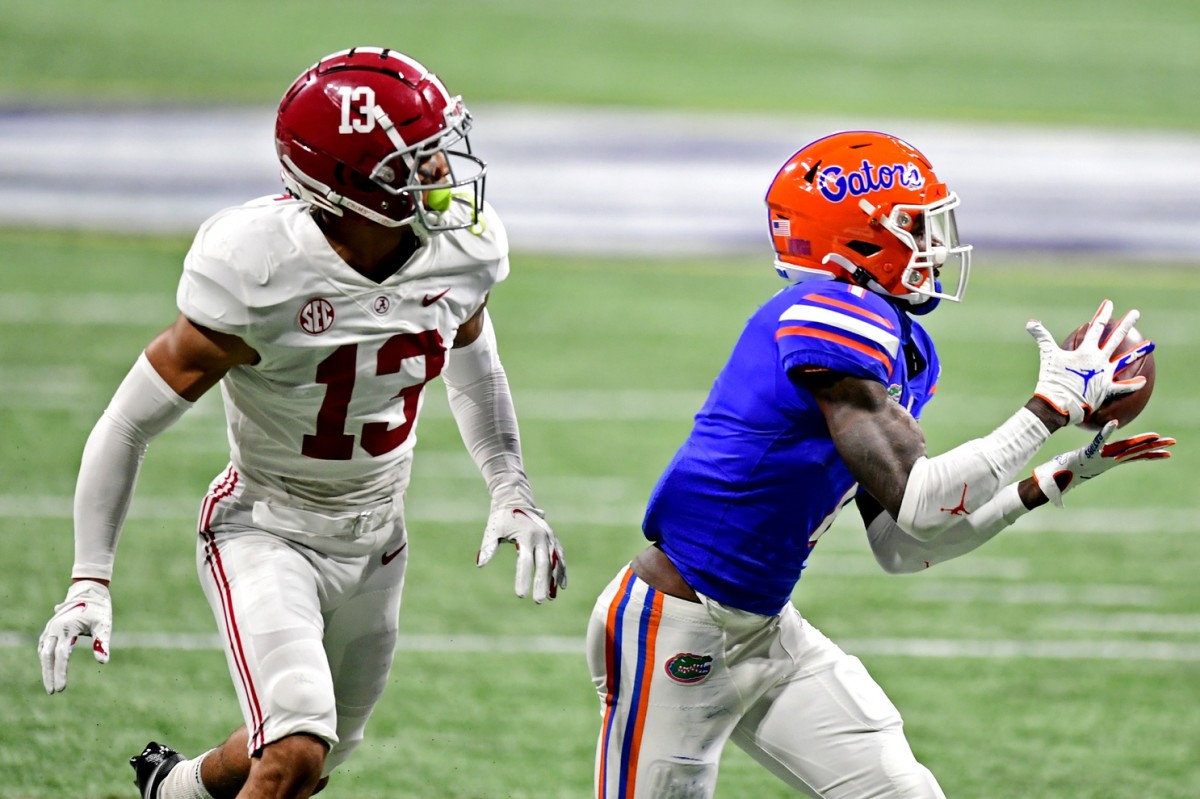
<point x="1124" y="408"/>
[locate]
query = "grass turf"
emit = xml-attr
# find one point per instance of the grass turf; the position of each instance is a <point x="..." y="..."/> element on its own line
<point x="1074" y="62"/>
<point x="608" y="359"/>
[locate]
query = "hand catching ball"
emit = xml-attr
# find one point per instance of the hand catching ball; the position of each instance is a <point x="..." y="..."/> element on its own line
<point x="1126" y="407"/>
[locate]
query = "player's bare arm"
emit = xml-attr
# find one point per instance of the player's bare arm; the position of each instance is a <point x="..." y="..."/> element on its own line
<point x="878" y="440"/>
<point x="192" y="359"/>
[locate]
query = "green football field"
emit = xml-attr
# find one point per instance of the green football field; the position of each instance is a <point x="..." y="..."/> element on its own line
<point x="1060" y="660"/>
<point x="1105" y="62"/>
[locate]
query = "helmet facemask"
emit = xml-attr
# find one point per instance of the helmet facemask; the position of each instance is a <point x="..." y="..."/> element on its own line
<point x="434" y="169"/>
<point x="939" y="265"/>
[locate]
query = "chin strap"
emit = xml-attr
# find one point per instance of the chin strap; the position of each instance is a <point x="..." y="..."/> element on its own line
<point x="857" y="274"/>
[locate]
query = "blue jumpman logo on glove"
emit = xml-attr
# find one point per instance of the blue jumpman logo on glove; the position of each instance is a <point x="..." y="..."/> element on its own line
<point x="1086" y="374"/>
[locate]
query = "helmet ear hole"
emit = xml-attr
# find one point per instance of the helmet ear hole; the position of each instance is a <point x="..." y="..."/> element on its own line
<point x="864" y="248"/>
<point x="354" y="179"/>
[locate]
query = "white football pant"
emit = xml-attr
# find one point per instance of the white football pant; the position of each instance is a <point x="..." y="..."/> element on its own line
<point x="308" y="634"/>
<point x="678" y="679"/>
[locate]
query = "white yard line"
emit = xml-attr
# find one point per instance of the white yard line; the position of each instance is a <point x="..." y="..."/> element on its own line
<point x="88" y="309"/>
<point x="610" y="509"/>
<point x="1040" y="594"/>
<point x="1146" y="623"/>
<point x="567" y="645"/>
<point x="34" y="388"/>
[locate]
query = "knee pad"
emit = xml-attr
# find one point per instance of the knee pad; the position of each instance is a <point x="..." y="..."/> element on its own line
<point x="681" y="779"/>
<point x="299" y="693"/>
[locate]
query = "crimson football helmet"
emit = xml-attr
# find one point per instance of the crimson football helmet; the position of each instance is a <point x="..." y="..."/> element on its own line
<point x="867" y="207"/>
<point x="373" y="131"/>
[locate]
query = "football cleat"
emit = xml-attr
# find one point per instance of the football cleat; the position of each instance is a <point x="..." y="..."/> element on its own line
<point x="152" y="766"/>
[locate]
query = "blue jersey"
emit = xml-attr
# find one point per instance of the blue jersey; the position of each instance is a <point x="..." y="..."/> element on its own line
<point x="758" y="480"/>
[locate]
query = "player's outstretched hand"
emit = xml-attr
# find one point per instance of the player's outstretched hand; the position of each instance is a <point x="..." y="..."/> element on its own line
<point x="1077" y="381"/>
<point x="1071" y="468"/>
<point x="86" y="611"/>
<point x="538" y="551"/>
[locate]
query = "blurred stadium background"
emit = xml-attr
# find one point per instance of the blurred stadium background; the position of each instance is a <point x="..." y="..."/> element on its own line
<point x="629" y="147"/>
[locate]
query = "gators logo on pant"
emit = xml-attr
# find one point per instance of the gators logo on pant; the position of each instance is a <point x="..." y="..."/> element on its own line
<point x="688" y="668"/>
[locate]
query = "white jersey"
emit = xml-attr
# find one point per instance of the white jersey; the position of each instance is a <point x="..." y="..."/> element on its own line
<point x="328" y="414"/>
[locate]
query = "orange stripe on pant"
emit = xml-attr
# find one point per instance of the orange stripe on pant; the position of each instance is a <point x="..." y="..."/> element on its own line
<point x="613" y="672"/>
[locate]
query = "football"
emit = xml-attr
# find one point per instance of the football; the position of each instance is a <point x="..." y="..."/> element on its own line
<point x="1124" y="408"/>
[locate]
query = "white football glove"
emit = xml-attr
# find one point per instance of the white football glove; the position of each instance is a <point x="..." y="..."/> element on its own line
<point x="86" y="611"/>
<point x="1077" y="381"/>
<point x="1066" y="471"/>
<point x="538" y="551"/>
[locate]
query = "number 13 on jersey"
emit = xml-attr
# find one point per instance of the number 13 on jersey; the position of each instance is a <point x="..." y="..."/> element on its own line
<point x="339" y="373"/>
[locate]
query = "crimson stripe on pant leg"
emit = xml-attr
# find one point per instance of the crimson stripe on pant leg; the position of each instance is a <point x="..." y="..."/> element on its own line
<point x="217" y="570"/>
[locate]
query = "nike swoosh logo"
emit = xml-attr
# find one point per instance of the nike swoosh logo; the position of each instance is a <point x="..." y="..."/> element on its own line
<point x="388" y="557"/>
<point x="428" y="300"/>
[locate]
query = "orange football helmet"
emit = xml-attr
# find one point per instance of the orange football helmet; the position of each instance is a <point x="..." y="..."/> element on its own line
<point x="867" y="207"/>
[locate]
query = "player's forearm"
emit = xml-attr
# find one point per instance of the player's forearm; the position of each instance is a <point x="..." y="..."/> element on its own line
<point x="143" y="406"/>
<point x="959" y="482"/>
<point x="899" y="552"/>
<point x="480" y="398"/>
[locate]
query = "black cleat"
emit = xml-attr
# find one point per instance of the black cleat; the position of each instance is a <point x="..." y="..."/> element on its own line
<point x="152" y="766"/>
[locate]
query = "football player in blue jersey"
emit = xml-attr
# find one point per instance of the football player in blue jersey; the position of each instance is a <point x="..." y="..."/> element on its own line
<point x="695" y="642"/>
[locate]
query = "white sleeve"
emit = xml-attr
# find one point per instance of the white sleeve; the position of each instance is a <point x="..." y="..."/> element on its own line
<point x="900" y="553"/>
<point x="143" y="406"/>
<point x="960" y="481"/>
<point x="477" y="388"/>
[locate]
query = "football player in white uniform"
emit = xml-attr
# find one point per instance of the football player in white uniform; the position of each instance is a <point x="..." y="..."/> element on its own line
<point x="322" y="314"/>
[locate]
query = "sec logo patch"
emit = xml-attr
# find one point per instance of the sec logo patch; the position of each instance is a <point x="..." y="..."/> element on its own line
<point x="316" y="316"/>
